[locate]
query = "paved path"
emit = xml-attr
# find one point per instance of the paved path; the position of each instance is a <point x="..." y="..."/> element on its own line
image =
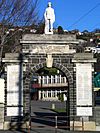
<point x="48" y="131"/>
<point x="42" y="115"/>
<point x="43" y="108"/>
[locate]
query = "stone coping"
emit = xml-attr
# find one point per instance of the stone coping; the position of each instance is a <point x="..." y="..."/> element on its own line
<point x="84" y="57"/>
<point x="29" y="42"/>
<point x="48" y="37"/>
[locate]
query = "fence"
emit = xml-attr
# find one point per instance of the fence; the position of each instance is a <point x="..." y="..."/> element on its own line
<point x="55" y="122"/>
<point x="52" y="79"/>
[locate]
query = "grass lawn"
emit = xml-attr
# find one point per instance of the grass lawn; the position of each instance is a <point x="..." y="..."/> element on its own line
<point x="63" y="110"/>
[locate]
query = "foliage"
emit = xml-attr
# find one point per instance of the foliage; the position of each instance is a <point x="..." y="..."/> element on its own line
<point x="61" y="97"/>
<point x="40" y="28"/>
<point x="97" y="79"/>
<point x="97" y="65"/>
<point x="97" y="30"/>
<point x="60" y="30"/>
<point x="15" y="14"/>
<point x="47" y="71"/>
<point x="86" y="36"/>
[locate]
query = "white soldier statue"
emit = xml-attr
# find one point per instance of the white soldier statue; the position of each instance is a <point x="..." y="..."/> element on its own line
<point x="49" y="16"/>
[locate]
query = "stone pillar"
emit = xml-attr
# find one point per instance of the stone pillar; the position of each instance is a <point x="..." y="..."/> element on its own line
<point x="1" y="103"/>
<point x="84" y="89"/>
<point x="14" y="67"/>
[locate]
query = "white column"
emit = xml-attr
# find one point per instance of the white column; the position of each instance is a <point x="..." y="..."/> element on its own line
<point x="42" y="79"/>
<point x="60" y="78"/>
<point x="39" y="94"/>
<point x="47" y="93"/>
<point x="51" y="79"/>
<point x="55" y="78"/>
<point x="64" y="79"/>
<point x="39" y="79"/>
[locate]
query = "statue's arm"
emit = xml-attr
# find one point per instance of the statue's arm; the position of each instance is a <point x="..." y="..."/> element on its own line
<point x="53" y="15"/>
<point x="45" y="15"/>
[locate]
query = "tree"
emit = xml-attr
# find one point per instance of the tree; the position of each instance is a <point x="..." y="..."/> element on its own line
<point x="97" y="30"/>
<point x="60" y="30"/>
<point x="47" y="71"/>
<point x="15" y="13"/>
<point x="18" y="12"/>
<point x="40" y="27"/>
<point x="85" y="32"/>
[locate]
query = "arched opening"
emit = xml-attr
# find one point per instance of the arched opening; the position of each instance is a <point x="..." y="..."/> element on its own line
<point x="48" y="100"/>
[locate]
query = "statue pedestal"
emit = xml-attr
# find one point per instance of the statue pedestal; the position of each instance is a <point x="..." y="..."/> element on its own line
<point x="49" y="33"/>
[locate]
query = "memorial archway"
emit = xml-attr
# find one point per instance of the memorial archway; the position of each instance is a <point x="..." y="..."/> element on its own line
<point x="69" y="77"/>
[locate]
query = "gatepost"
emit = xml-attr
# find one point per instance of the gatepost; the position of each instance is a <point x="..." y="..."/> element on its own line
<point x="1" y="103"/>
<point x="84" y="63"/>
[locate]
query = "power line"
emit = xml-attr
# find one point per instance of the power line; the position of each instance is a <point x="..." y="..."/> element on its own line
<point x="84" y="15"/>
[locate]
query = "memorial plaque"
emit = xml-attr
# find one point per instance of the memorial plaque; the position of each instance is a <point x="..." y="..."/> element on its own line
<point x="14" y="89"/>
<point x="84" y="84"/>
<point x="84" y="111"/>
<point x="14" y="111"/>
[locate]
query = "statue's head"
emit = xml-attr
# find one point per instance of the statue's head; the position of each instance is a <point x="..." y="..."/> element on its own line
<point x="49" y="4"/>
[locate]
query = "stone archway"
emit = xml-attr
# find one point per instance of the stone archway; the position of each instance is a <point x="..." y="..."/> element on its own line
<point x="69" y="76"/>
<point x="35" y="49"/>
<point x="59" y="66"/>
